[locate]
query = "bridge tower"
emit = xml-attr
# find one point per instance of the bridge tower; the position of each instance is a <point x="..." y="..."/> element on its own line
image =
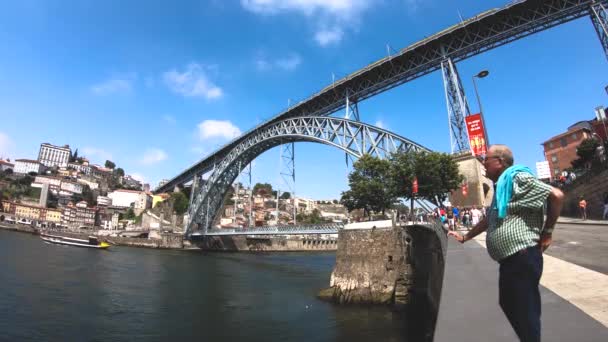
<point x="352" y="113"/>
<point x="457" y="105"/>
<point x="287" y="174"/>
<point x="599" y="18"/>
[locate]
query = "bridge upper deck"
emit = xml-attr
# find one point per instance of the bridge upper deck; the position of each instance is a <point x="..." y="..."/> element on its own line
<point x="483" y="32"/>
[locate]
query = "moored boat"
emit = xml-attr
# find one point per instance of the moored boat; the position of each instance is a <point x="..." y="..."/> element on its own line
<point x="92" y="242"/>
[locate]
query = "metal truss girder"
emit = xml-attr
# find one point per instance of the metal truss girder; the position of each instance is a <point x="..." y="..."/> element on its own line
<point x="204" y="209"/>
<point x="599" y="18"/>
<point x="457" y="105"/>
<point x="463" y="40"/>
<point x="331" y="228"/>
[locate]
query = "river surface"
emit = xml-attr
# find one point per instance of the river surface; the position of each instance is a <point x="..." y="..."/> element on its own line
<point x="57" y="293"/>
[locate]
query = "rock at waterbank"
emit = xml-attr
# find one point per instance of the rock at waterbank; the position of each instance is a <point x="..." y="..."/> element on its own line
<point x="372" y="267"/>
<point x="388" y="265"/>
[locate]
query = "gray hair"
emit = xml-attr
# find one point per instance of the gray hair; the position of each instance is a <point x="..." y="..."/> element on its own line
<point x="504" y="153"/>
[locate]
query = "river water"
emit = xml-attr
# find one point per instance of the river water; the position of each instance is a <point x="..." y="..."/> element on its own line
<point x="57" y="293"/>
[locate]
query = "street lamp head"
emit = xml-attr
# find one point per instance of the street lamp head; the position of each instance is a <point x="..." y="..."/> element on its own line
<point x="483" y="74"/>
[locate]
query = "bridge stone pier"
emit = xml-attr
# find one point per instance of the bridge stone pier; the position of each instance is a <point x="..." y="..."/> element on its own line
<point x="395" y="265"/>
<point x="479" y="188"/>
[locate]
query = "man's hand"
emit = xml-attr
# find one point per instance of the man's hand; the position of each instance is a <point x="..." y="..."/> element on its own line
<point x="545" y="241"/>
<point x="456" y="235"/>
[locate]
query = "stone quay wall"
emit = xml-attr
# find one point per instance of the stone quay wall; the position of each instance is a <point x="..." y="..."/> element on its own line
<point x="167" y="240"/>
<point x="592" y="187"/>
<point x="243" y="243"/>
<point x="389" y="266"/>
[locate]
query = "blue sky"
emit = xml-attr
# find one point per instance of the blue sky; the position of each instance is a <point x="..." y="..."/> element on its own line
<point x="155" y="86"/>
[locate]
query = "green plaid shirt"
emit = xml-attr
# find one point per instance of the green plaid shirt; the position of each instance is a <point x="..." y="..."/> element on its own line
<point x="523" y="224"/>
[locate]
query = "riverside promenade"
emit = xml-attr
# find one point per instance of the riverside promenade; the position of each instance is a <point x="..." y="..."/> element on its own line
<point x="574" y="298"/>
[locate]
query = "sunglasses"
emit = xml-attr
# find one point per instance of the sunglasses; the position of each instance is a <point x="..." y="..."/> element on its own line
<point x="483" y="158"/>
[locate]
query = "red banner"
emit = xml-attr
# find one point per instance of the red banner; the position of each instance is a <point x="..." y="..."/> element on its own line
<point x="477" y="139"/>
<point x="415" y="186"/>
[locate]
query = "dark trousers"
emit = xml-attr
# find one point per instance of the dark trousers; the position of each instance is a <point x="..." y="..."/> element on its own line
<point x="519" y="295"/>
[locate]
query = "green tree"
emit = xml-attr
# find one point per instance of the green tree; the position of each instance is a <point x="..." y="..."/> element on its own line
<point x="263" y="189"/>
<point x="180" y="202"/>
<point x="119" y="172"/>
<point x="130" y="215"/>
<point x="314" y="218"/>
<point x="586" y="153"/>
<point x="228" y="197"/>
<point x="285" y="195"/>
<point x="437" y="175"/>
<point x="109" y="164"/>
<point x="74" y="156"/>
<point x="26" y="180"/>
<point x="370" y="186"/>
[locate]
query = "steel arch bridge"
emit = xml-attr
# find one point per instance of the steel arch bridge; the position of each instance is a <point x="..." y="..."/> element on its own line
<point x="353" y="137"/>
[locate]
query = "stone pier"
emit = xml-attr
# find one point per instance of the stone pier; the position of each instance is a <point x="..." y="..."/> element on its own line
<point x="245" y="243"/>
<point x="388" y="266"/>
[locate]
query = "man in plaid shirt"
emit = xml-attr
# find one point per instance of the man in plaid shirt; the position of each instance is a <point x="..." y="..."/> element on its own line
<point x="517" y="235"/>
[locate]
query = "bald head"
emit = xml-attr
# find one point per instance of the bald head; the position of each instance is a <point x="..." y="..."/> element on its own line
<point x="503" y="152"/>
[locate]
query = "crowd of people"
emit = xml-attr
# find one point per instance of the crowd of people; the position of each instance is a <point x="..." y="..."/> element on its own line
<point x="454" y="217"/>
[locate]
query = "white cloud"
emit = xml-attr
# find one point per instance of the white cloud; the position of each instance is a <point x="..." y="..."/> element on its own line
<point x="217" y="129"/>
<point x="193" y="82"/>
<point x="288" y="63"/>
<point x="6" y="145"/>
<point x="153" y="156"/>
<point x="169" y="119"/>
<point x="413" y="5"/>
<point x="100" y="154"/>
<point x="115" y="85"/>
<point x="306" y="7"/>
<point x="328" y="37"/>
<point x="380" y="124"/>
<point x="334" y="14"/>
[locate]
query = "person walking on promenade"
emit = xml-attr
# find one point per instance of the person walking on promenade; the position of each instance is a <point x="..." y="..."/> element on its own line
<point x="582" y="207"/>
<point x="605" y="214"/>
<point x="517" y="237"/>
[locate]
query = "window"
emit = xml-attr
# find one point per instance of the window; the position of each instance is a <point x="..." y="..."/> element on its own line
<point x="556" y="172"/>
<point x="573" y="136"/>
<point x="563" y="142"/>
<point x="551" y="145"/>
<point x="554" y="158"/>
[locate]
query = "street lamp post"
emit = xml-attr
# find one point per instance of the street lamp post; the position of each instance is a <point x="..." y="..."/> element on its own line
<point x="481" y="74"/>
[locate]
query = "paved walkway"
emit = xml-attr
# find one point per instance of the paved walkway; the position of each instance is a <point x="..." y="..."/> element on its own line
<point x="571" y="220"/>
<point x="575" y="299"/>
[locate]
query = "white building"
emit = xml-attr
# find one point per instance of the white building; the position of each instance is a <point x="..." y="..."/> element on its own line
<point x="100" y="171"/>
<point x="54" y="182"/>
<point x="92" y="185"/>
<point x="124" y="198"/>
<point x="84" y="167"/>
<point x="25" y="166"/>
<point x="130" y="182"/>
<point x="72" y="187"/>
<point x="305" y="205"/>
<point x="4" y="165"/>
<point x="104" y="201"/>
<point x="51" y="155"/>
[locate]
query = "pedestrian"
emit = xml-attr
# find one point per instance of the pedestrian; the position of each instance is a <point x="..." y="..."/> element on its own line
<point x="449" y="212"/>
<point x="475" y="216"/>
<point x="582" y="207"/>
<point x="466" y="218"/>
<point x="516" y="237"/>
<point x="456" y="212"/>
<point x="605" y="214"/>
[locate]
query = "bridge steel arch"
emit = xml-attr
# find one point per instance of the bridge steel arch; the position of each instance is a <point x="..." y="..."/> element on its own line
<point x="353" y="137"/>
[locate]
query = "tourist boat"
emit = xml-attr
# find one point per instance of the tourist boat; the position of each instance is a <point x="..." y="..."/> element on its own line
<point x="92" y="242"/>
